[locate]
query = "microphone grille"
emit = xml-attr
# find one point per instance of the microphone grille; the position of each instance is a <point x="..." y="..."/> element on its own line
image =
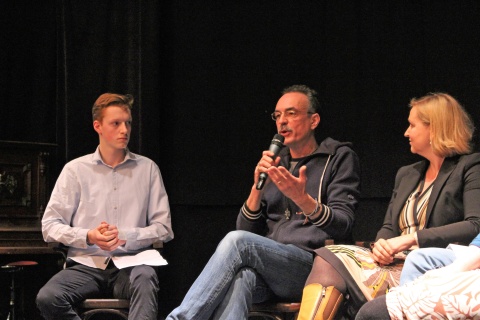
<point x="279" y="137"/>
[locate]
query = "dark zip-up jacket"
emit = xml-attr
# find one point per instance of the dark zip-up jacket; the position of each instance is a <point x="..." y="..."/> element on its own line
<point x="336" y="167"/>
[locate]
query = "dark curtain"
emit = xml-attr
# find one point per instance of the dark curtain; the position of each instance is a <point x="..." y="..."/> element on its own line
<point x="104" y="46"/>
<point x="27" y="71"/>
<point x="206" y="76"/>
<point x="367" y="59"/>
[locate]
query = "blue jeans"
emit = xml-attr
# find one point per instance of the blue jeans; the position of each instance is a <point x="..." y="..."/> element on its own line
<point x="246" y="268"/>
<point x="78" y="282"/>
<point x="421" y="260"/>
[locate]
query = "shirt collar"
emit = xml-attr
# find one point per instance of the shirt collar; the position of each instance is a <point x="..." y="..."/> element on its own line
<point x="97" y="158"/>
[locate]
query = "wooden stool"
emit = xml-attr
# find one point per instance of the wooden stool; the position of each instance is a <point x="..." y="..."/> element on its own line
<point x="92" y="307"/>
<point x="15" y="268"/>
<point x="275" y="310"/>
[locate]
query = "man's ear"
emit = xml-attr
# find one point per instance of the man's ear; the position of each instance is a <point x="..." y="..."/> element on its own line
<point x="97" y="126"/>
<point x="315" y="120"/>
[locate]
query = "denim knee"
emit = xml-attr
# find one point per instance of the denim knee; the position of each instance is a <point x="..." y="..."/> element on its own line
<point x="232" y="240"/>
<point x="430" y="258"/>
<point x="422" y="260"/>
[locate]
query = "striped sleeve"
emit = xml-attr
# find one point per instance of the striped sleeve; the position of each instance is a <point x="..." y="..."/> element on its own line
<point x="251" y="215"/>
<point x="324" y="218"/>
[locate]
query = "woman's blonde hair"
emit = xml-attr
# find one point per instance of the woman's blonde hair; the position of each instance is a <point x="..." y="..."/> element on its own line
<point x="451" y="128"/>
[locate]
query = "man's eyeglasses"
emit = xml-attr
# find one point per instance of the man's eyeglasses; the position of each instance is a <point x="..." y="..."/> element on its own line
<point x="289" y="114"/>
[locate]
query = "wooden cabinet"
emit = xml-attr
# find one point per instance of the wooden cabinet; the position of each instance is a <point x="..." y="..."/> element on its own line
<point x="25" y="187"/>
<point x="25" y="179"/>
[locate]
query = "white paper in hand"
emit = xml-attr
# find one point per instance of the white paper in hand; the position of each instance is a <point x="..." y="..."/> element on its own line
<point x="148" y="257"/>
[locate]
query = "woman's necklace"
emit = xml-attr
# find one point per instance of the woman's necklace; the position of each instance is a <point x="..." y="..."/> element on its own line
<point x="423" y="188"/>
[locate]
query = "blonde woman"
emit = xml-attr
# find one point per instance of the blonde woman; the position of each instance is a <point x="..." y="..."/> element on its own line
<point x="435" y="202"/>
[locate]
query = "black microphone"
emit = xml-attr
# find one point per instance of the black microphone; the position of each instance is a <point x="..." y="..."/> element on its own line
<point x="275" y="146"/>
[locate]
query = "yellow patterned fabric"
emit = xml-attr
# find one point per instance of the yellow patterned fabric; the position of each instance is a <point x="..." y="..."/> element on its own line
<point x="372" y="279"/>
<point x="428" y="297"/>
<point x="375" y="280"/>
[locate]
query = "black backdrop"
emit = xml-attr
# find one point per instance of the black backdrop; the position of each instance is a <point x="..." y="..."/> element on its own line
<point x="207" y="74"/>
